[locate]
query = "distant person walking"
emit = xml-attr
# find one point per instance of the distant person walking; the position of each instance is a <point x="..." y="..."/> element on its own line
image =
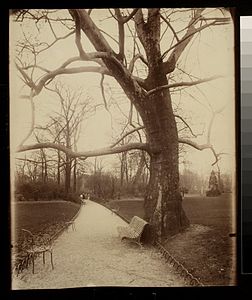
<point x="82" y="198"/>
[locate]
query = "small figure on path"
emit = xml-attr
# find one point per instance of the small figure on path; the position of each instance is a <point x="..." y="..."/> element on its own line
<point x="82" y="198"/>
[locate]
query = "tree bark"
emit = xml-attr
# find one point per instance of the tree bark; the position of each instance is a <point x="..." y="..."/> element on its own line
<point x="121" y="172"/>
<point x="44" y="166"/>
<point x="68" y="175"/>
<point x="58" y="168"/>
<point x="163" y="202"/>
<point x="75" y="176"/>
<point x="163" y="205"/>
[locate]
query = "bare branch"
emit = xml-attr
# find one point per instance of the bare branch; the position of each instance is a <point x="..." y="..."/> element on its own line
<point x="169" y="25"/>
<point x="130" y="16"/>
<point x="120" y="73"/>
<point x="91" y="153"/>
<point x="110" y="36"/>
<point x="97" y="39"/>
<point x="32" y="119"/>
<point x="183" y="83"/>
<point x="134" y="59"/>
<point x="181" y="45"/>
<point x="187" y="37"/>
<point x="78" y="36"/>
<point x="126" y="134"/>
<point x="37" y="88"/>
<point x="194" y="145"/>
<point x="69" y="61"/>
<point x="29" y="160"/>
<point x="187" y="125"/>
<point x="208" y="145"/>
<point x="200" y="147"/>
<point x="147" y="32"/>
<point x="26" y="78"/>
<point x="103" y="93"/>
<point x="56" y="40"/>
<point x="51" y="27"/>
<point x="121" y="33"/>
<point x="35" y="66"/>
<point x="211" y="122"/>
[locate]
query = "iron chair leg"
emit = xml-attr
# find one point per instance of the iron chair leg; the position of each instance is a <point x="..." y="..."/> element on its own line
<point x="33" y="263"/>
<point x="52" y="260"/>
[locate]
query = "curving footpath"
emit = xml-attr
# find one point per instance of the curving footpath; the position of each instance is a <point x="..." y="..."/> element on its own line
<point x="94" y="255"/>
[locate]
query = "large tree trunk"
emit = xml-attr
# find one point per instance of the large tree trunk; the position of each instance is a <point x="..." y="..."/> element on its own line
<point x="163" y="202"/>
<point x="42" y="169"/>
<point x="45" y="173"/>
<point x="75" y="176"/>
<point x="58" y="168"/>
<point x="121" y="172"/>
<point x="68" y="175"/>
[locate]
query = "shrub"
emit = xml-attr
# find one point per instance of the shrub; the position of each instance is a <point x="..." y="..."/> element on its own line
<point x="213" y="193"/>
<point x="37" y="190"/>
<point x="73" y="197"/>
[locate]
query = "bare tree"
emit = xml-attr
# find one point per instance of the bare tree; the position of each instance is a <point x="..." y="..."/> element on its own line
<point x="74" y="108"/>
<point x="146" y="77"/>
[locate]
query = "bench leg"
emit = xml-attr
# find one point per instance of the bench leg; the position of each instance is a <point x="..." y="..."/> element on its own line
<point x="43" y="257"/>
<point x="140" y="244"/>
<point x="132" y="241"/>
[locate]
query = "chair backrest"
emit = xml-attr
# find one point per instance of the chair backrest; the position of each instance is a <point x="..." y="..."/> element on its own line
<point x="138" y="224"/>
<point x="30" y="240"/>
<point x="43" y="239"/>
<point x="27" y="239"/>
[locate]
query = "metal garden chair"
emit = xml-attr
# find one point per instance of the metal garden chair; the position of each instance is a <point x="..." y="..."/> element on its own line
<point x="34" y="245"/>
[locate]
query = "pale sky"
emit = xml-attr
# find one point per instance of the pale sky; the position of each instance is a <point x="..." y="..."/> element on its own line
<point x="212" y="55"/>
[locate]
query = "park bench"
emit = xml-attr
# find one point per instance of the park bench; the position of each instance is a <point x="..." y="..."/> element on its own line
<point x="133" y="231"/>
<point x="35" y="245"/>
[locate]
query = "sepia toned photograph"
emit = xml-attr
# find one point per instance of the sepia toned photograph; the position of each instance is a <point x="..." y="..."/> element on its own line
<point x="122" y="147"/>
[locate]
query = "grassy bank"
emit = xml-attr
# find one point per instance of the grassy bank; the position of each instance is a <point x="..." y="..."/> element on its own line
<point x="48" y="216"/>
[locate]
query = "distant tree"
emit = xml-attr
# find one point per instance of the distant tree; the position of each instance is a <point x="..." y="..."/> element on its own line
<point x="214" y="189"/>
<point x="101" y="184"/>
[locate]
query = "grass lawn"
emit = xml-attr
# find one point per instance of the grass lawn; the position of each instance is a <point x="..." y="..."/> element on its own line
<point x="205" y="248"/>
<point x="48" y="216"/>
<point x="128" y="207"/>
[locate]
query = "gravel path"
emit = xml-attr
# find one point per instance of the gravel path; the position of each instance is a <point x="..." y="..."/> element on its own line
<point x="94" y="255"/>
